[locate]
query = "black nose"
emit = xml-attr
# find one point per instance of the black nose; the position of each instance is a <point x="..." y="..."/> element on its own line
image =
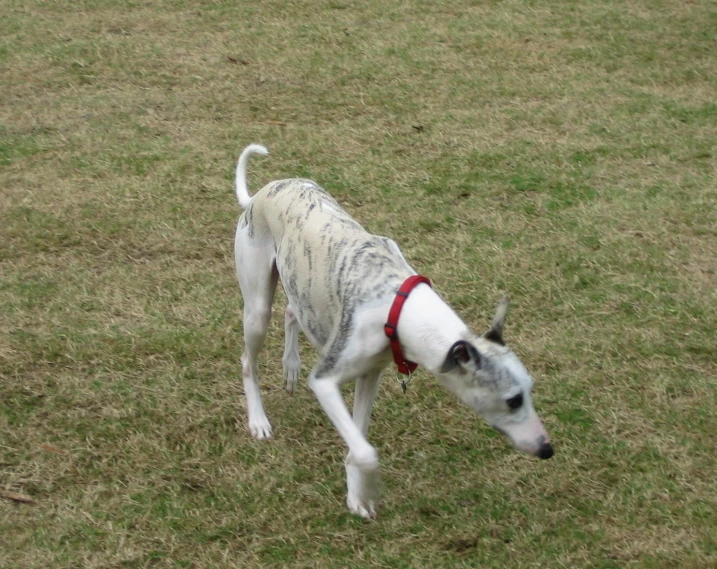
<point x="545" y="451"/>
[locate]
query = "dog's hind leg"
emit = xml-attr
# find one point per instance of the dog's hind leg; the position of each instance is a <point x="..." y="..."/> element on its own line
<point x="257" y="279"/>
<point x="363" y="485"/>
<point x="292" y="360"/>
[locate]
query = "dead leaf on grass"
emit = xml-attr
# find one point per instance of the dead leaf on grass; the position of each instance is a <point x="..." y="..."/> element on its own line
<point x="16" y="497"/>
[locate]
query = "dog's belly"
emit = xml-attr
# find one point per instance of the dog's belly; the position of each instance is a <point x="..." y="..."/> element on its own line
<point x="308" y="278"/>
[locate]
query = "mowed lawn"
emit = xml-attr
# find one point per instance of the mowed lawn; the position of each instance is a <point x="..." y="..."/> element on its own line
<point x="564" y="153"/>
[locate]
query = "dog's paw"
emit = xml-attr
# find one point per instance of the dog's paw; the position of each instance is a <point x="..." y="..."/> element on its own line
<point x="260" y="428"/>
<point x="364" y="509"/>
<point x="291" y="375"/>
<point x="362" y="491"/>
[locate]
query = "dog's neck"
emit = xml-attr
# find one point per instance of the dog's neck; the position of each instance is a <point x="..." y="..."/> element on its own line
<point x="428" y="327"/>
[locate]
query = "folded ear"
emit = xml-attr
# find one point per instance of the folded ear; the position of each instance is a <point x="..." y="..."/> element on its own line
<point x="495" y="332"/>
<point x="461" y="354"/>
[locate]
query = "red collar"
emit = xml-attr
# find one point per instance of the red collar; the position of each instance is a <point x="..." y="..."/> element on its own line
<point x="391" y="327"/>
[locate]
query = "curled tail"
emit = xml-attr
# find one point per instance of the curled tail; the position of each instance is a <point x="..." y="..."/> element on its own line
<point x="241" y="190"/>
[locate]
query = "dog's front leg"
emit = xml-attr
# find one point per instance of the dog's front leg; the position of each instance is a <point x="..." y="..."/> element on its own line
<point x="362" y="459"/>
<point x="362" y="486"/>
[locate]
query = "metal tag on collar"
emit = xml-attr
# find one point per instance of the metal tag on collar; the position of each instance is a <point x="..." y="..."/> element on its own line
<point x="404" y="382"/>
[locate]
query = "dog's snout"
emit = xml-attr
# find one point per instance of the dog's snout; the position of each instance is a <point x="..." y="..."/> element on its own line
<point x="545" y="451"/>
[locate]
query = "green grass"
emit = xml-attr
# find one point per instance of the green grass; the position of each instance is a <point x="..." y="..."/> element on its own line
<point x="561" y="152"/>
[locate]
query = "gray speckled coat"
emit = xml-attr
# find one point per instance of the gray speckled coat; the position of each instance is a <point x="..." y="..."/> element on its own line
<point x="326" y="261"/>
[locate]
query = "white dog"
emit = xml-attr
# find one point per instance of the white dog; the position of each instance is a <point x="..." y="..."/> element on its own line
<point x="341" y="283"/>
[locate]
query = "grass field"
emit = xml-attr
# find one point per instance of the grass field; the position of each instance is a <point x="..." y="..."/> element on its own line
<point x="562" y="152"/>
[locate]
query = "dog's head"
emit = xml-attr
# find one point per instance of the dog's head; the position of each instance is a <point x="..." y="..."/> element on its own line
<point x="491" y="380"/>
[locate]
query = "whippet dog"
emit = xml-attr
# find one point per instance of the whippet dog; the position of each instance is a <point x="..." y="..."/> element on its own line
<point x="340" y="283"/>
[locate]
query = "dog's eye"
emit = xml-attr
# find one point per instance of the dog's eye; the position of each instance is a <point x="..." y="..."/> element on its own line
<point x="515" y="402"/>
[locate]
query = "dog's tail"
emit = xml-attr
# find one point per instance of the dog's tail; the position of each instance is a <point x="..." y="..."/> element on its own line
<point x="241" y="190"/>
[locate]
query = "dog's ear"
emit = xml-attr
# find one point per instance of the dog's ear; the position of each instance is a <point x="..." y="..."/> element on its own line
<point x="461" y="354"/>
<point x="495" y="332"/>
